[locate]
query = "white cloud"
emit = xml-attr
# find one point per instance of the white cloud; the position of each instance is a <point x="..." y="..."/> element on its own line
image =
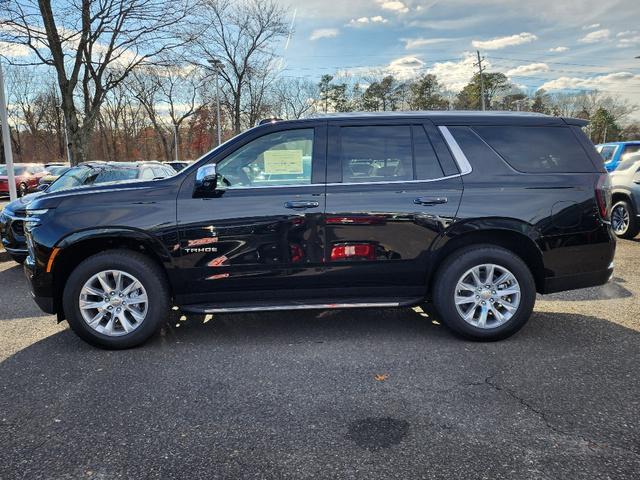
<point x="628" y="38"/>
<point x="394" y="6"/>
<point x="455" y="75"/>
<point x="629" y="42"/>
<point x="14" y="50"/>
<point x="616" y="81"/>
<point x="362" y="21"/>
<point x="503" y="42"/>
<point x="324" y="33"/>
<point x="559" y="49"/>
<point x="596" y="36"/>
<point x="591" y="27"/>
<point x="527" y="70"/>
<point x="410" y="43"/>
<point x="405" y="67"/>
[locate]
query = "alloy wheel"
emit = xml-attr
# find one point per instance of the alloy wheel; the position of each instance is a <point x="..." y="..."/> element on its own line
<point x="487" y="296"/>
<point x="620" y="219"/>
<point x="113" y="303"/>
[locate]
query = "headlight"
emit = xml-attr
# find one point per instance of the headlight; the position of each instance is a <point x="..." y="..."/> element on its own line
<point x="34" y="218"/>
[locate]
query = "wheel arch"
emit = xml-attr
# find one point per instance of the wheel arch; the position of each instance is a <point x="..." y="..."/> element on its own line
<point x="513" y="235"/>
<point x="78" y="246"/>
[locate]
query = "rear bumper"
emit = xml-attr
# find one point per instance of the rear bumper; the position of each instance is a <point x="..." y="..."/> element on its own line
<point x="581" y="280"/>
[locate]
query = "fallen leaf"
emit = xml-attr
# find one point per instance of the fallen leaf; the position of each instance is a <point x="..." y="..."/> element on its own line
<point x="381" y="377"/>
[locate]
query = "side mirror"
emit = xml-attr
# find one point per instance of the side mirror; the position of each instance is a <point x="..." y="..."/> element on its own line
<point x="206" y="181"/>
<point x="43" y="187"/>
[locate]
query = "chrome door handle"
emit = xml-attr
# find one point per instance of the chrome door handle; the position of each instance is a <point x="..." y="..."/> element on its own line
<point x="430" y="200"/>
<point x="300" y="204"/>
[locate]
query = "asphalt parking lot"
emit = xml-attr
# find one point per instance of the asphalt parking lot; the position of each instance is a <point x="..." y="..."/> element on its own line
<point x="343" y="394"/>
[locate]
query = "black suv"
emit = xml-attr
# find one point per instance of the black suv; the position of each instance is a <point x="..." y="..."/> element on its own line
<point x="473" y="212"/>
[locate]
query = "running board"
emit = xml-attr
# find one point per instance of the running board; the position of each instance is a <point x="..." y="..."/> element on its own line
<point x="298" y="305"/>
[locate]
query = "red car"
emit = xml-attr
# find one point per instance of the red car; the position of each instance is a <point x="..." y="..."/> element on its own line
<point x="27" y="176"/>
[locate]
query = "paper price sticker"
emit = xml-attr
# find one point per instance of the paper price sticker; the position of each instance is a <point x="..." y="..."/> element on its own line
<point x="283" y="162"/>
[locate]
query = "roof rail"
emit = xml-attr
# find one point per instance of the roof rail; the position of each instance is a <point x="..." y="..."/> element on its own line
<point x="264" y="121"/>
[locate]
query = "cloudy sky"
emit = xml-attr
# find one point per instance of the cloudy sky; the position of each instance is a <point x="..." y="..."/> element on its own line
<point x="558" y="45"/>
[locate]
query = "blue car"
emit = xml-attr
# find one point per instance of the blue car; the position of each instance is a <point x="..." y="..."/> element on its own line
<point x="613" y="152"/>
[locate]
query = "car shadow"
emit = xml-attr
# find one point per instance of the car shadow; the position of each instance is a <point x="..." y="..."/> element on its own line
<point x="304" y="381"/>
<point x="612" y="290"/>
<point x="15" y="300"/>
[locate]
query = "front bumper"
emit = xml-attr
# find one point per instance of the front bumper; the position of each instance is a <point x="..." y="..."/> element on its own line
<point x="12" y="233"/>
<point x="41" y="286"/>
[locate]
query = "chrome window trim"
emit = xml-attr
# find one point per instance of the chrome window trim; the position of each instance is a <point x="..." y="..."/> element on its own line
<point x="458" y="154"/>
<point x="335" y="184"/>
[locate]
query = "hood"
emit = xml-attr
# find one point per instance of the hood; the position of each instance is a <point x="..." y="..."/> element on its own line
<point x="21" y="204"/>
<point x="52" y="199"/>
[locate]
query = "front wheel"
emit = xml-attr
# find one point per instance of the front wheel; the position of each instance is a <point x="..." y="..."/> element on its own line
<point x="484" y="293"/>
<point x="116" y="299"/>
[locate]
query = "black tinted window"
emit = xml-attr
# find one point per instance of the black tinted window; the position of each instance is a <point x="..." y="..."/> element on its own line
<point x="427" y="165"/>
<point x="373" y="154"/>
<point x="538" y="149"/>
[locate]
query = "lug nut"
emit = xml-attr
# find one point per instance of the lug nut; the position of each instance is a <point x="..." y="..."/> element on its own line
<point x="109" y="307"/>
<point x="491" y="300"/>
<point x="483" y="302"/>
<point x="493" y="291"/>
<point x="113" y="293"/>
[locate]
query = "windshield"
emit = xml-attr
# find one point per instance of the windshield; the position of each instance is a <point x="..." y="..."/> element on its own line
<point x="56" y="170"/>
<point x="74" y="177"/>
<point x="85" y="175"/>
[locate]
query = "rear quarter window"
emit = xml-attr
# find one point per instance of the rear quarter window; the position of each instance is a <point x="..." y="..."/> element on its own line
<point x="537" y="149"/>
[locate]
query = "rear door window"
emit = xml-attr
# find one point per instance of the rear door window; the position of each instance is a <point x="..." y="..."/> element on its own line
<point x="376" y="153"/>
<point x="537" y="149"/>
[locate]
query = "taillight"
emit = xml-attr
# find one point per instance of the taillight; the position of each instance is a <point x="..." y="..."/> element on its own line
<point x="603" y="196"/>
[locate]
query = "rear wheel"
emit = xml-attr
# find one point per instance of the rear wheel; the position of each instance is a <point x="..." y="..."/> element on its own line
<point x="116" y="299"/>
<point x="484" y="292"/>
<point x="623" y="220"/>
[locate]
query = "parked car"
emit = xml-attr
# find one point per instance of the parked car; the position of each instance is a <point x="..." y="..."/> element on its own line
<point x="12" y="217"/>
<point x="53" y="173"/>
<point x="474" y="212"/>
<point x="625" y="189"/>
<point x="614" y="152"/>
<point x="177" y="166"/>
<point x="27" y="176"/>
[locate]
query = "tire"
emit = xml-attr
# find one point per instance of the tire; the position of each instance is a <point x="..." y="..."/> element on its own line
<point x="22" y="189"/>
<point x="457" y="267"/>
<point x="132" y="266"/>
<point x="623" y="220"/>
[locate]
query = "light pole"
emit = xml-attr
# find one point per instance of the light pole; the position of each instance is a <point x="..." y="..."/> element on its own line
<point x="6" y="139"/>
<point x="217" y="67"/>
<point x="175" y="132"/>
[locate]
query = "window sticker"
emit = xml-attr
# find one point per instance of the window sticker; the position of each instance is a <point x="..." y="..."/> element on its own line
<point x="283" y="162"/>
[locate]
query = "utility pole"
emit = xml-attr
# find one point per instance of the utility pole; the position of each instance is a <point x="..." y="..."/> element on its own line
<point x="481" y="70"/>
<point x="218" y="66"/>
<point x="6" y="139"/>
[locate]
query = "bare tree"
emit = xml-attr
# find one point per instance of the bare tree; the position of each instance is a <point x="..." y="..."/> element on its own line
<point x="93" y="45"/>
<point x="295" y="97"/>
<point x="169" y="95"/>
<point x="242" y="35"/>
